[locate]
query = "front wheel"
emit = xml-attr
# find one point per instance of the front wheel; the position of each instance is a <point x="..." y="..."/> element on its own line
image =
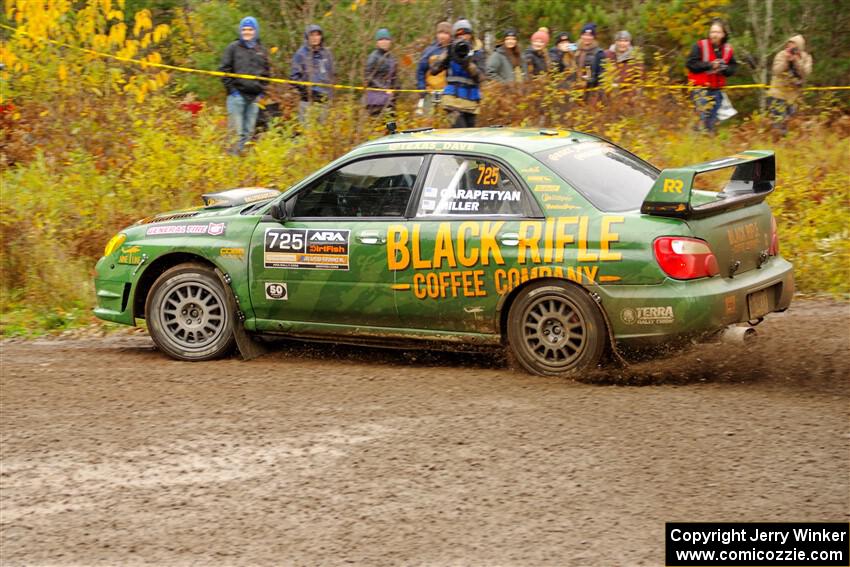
<point x="188" y="314"/>
<point x="555" y="330"/>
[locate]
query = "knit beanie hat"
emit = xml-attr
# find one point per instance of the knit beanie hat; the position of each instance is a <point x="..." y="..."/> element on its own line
<point x="589" y="28"/>
<point x="563" y="36"/>
<point x="383" y="33"/>
<point x="540" y="36"/>
<point x="510" y="32"/>
<point x="623" y="34"/>
<point x="444" y="27"/>
<point x="249" y="22"/>
<point x="461" y="25"/>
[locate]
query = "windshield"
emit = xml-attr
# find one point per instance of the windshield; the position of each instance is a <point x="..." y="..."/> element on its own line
<point x="609" y="177"/>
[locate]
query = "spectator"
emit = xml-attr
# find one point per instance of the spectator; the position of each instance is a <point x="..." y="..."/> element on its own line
<point x="464" y="63"/>
<point x="563" y="56"/>
<point x="505" y="64"/>
<point x="313" y="63"/>
<point x="382" y="73"/>
<point x="710" y="62"/>
<point x="623" y="59"/>
<point x="245" y="56"/>
<point x="536" y="58"/>
<point x="791" y="66"/>
<point x="589" y="59"/>
<point x="427" y="80"/>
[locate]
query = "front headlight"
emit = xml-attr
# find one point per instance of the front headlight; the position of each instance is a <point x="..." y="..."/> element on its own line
<point x="114" y="243"/>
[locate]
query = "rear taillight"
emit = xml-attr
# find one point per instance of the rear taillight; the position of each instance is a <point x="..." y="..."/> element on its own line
<point x="685" y="258"/>
<point x="774" y="238"/>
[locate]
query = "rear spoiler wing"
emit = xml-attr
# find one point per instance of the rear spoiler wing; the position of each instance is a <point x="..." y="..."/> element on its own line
<point x="754" y="179"/>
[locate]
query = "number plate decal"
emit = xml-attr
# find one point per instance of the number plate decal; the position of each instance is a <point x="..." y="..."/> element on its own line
<point x="276" y="291"/>
<point x="758" y="304"/>
<point x="306" y="248"/>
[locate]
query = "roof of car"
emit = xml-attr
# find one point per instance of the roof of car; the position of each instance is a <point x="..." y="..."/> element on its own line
<point x="530" y="140"/>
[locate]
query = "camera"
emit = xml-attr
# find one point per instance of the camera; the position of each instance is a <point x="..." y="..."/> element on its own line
<point x="795" y="50"/>
<point x="460" y="50"/>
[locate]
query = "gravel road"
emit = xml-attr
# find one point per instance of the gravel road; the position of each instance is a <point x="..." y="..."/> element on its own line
<point x="113" y="454"/>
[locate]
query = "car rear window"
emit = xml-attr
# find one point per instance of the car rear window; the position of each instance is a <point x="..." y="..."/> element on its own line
<point x="611" y="178"/>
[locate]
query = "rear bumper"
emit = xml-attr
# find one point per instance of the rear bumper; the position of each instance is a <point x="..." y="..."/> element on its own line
<point x="692" y="308"/>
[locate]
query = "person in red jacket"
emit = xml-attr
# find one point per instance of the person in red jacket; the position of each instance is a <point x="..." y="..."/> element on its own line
<point x="710" y="62"/>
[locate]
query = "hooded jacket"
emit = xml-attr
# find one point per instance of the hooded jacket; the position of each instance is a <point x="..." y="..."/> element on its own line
<point x="313" y="65"/>
<point x="500" y="68"/>
<point x="381" y="73"/>
<point x="241" y="58"/>
<point x="789" y="76"/>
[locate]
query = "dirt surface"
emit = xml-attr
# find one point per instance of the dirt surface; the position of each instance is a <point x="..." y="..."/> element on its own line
<point x="113" y="454"/>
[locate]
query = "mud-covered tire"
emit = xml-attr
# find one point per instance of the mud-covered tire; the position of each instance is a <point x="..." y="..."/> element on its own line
<point x="555" y="330"/>
<point x="188" y="313"/>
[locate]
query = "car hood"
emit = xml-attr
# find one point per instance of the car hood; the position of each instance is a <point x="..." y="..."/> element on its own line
<point x="218" y="204"/>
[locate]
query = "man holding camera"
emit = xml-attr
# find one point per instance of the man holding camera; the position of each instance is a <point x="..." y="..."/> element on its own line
<point x="463" y="62"/>
<point x="791" y="66"/>
<point x="710" y="62"/>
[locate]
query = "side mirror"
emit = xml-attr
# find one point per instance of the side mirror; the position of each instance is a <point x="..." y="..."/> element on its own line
<point x="277" y="211"/>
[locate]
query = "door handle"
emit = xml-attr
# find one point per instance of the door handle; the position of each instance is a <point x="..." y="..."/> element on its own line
<point x="371" y="237"/>
<point x="509" y="239"/>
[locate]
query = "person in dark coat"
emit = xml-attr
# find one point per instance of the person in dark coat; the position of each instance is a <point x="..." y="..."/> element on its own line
<point x="313" y="63"/>
<point x="589" y="58"/>
<point x="711" y="61"/>
<point x="536" y="58"/>
<point x="381" y="73"/>
<point x="563" y="56"/>
<point x="505" y="63"/>
<point x="245" y="56"/>
<point x="462" y="95"/>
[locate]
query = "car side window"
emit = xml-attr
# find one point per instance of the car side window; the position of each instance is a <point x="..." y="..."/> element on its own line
<point x="469" y="186"/>
<point x="376" y="187"/>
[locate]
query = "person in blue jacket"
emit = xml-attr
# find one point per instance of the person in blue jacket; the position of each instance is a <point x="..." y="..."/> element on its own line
<point x="464" y="63"/>
<point x="313" y="62"/>
<point x="245" y="56"/>
<point x="424" y="79"/>
<point x="589" y="62"/>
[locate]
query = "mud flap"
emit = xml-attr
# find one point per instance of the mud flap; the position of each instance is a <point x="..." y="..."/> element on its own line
<point x="249" y="347"/>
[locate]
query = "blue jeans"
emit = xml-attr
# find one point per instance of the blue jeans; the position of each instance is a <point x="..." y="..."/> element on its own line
<point x="242" y="117"/>
<point x="707" y="102"/>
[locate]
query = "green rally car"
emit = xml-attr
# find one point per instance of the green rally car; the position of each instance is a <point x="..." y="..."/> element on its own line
<point x="556" y="244"/>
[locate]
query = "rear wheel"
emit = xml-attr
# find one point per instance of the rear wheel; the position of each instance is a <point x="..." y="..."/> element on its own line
<point x="555" y="330"/>
<point x="188" y="315"/>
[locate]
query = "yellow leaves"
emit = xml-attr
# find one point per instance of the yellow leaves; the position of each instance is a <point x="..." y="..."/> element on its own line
<point x="357" y="4"/>
<point x="117" y="34"/>
<point x="142" y="22"/>
<point x="63" y="72"/>
<point x="161" y="32"/>
<point x="273" y="50"/>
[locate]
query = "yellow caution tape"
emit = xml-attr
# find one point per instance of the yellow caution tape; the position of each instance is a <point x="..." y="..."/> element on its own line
<point x="145" y="64"/>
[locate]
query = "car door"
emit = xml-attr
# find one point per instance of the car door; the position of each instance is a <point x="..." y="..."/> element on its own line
<point x="451" y="260"/>
<point x="326" y="265"/>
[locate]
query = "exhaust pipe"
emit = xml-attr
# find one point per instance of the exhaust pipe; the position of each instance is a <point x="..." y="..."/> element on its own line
<point x="738" y="335"/>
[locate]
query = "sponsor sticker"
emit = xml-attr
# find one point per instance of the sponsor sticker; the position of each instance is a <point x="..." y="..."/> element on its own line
<point x="546" y="188"/>
<point x="539" y="179"/>
<point x="211" y="229"/>
<point x="276" y="291"/>
<point x="306" y="248"/>
<point x="232" y="252"/>
<point x="648" y="315"/>
<point x="559" y="207"/>
<point x="130" y="255"/>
